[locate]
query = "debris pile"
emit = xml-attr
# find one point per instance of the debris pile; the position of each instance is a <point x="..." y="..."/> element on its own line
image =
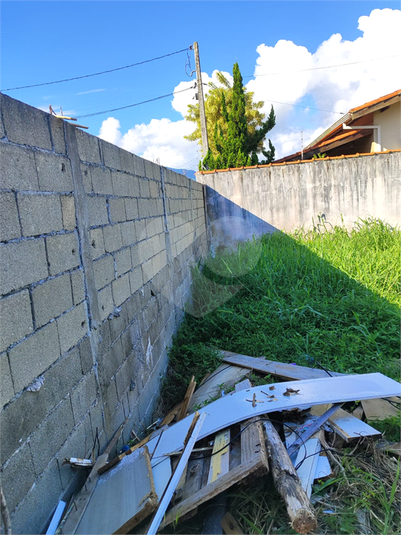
<point x="228" y="432"/>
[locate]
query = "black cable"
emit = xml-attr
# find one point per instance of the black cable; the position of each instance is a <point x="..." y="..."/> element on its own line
<point x="133" y="105"/>
<point x="96" y="73"/>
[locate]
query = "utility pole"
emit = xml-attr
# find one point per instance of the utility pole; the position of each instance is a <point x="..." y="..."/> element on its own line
<point x="205" y="142"/>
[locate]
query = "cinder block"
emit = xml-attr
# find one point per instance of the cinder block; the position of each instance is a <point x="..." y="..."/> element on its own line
<point x="2" y="131"/>
<point x="121" y="184"/>
<point x="131" y="208"/>
<point x="127" y="161"/>
<point x="144" y="188"/>
<point x="101" y="180"/>
<point x="117" y="210"/>
<point x="97" y="242"/>
<point x="83" y="396"/>
<point x="121" y="289"/>
<point x="63" y="252"/>
<point x="79" y="443"/>
<point x="50" y="436"/>
<point x="40" y="214"/>
<point x="140" y="227"/>
<point x="17" y="168"/>
<point x="7" y="388"/>
<point x="139" y="166"/>
<point x="106" y="303"/>
<point x="14" y="429"/>
<point x="51" y="298"/>
<point x="57" y="134"/>
<point x="31" y="357"/>
<point x="24" y="124"/>
<point x="61" y="378"/>
<point x="85" y="352"/>
<point x="33" y="513"/>
<point x="54" y="172"/>
<point x="9" y="222"/>
<point x="104" y="271"/>
<point x="15" y="318"/>
<point x="18" y="477"/>
<point x="68" y="212"/>
<point x="97" y="207"/>
<point x="136" y="279"/>
<point x="155" y="188"/>
<point x="110" y="154"/>
<point x="96" y="418"/>
<point x="72" y="326"/>
<point x="86" y="177"/>
<point x="88" y="147"/>
<point x="22" y="263"/>
<point x="77" y="286"/>
<point x="123" y="261"/>
<point x="128" y="233"/>
<point x="112" y="238"/>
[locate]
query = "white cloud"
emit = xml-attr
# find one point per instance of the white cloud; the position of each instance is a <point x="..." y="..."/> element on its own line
<point x="288" y="74"/>
<point x="161" y="140"/>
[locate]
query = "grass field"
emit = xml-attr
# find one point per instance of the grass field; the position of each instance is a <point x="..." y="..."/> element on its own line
<point x="322" y="297"/>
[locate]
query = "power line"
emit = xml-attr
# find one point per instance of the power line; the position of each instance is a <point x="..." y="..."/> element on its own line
<point x="96" y="73"/>
<point x="304" y="107"/>
<point x="136" y="104"/>
<point x="320" y="68"/>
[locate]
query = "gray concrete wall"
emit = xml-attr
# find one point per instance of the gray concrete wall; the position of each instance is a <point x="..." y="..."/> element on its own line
<point x="96" y="248"/>
<point x="293" y="195"/>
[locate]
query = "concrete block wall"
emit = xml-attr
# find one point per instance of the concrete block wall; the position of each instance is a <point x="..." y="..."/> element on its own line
<point x="96" y="248"/>
<point x="293" y="195"/>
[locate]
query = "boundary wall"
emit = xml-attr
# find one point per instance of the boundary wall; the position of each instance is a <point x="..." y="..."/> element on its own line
<point x="96" y="248"/>
<point x="284" y="197"/>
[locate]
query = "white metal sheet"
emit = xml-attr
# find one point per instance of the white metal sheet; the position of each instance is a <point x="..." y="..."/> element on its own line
<point x="237" y="406"/>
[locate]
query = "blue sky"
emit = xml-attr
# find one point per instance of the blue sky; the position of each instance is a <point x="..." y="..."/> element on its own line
<point x="48" y="41"/>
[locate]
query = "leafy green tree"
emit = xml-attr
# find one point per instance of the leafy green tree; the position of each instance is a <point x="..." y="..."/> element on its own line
<point x="236" y="126"/>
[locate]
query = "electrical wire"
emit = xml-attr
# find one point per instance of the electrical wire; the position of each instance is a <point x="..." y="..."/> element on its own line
<point x="133" y="105"/>
<point x="324" y="67"/>
<point x="97" y="73"/>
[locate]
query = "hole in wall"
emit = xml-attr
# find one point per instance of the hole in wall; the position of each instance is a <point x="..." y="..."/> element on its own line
<point x="73" y="251"/>
<point x="82" y="323"/>
<point x="62" y="167"/>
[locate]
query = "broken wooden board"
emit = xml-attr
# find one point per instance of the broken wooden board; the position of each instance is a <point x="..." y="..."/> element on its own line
<point x="220" y="460"/>
<point x="351" y="428"/>
<point x="346" y="425"/>
<point x="187" y="399"/>
<point x="223" y="378"/>
<point x="234" y="407"/>
<point x="379" y="409"/>
<point x="257" y="464"/>
<point x="270" y="367"/>
<point x="129" y="492"/>
<point x="230" y="525"/>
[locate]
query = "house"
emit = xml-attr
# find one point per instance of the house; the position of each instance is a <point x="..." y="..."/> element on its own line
<point x="372" y="127"/>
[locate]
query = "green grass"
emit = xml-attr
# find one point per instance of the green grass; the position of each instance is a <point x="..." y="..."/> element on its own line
<point x="324" y="296"/>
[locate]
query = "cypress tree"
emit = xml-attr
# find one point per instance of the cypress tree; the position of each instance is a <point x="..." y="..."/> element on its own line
<point x="238" y="146"/>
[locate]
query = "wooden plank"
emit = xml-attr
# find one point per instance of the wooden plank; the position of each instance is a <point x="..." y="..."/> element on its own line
<point x="220" y="461"/>
<point x="189" y="443"/>
<point x="379" y="409"/>
<point x="346" y="425"/>
<point x="350" y="428"/>
<point x="223" y="378"/>
<point x="187" y="398"/>
<point x="171" y="415"/>
<point x="252" y="436"/>
<point x="230" y="525"/>
<point x="213" y="489"/>
<point x="287" y="371"/>
<point x="287" y="482"/>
